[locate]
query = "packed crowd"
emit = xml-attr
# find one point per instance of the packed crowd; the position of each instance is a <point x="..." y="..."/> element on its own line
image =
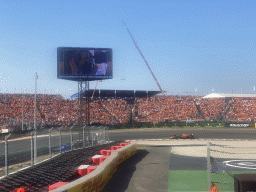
<point x="55" y="110"/>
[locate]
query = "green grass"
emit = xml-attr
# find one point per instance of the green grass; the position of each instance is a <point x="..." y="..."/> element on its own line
<point x="197" y="180"/>
<point x="187" y="180"/>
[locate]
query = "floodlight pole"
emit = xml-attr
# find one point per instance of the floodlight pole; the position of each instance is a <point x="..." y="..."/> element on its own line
<point x="22" y="126"/>
<point x="35" y="127"/>
<point x="32" y="149"/>
<point x="78" y="100"/>
<point x="6" y="154"/>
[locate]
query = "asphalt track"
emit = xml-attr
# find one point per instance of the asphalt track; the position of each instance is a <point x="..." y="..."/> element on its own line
<point x="165" y="133"/>
<point x="15" y="146"/>
<point x="24" y="144"/>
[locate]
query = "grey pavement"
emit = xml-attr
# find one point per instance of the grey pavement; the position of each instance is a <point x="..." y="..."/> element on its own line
<point x="179" y="162"/>
<point x="146" y="171"/>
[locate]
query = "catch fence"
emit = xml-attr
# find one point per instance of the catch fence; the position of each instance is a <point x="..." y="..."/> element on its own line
<point x="19" y="151"/>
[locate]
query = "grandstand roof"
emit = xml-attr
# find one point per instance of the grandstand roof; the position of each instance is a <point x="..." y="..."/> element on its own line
<point x="126" y="94"/>
<point x="226" y="95"/>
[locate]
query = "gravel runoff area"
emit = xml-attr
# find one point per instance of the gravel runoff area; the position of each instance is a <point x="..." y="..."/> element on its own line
<point x="219" y="148"/>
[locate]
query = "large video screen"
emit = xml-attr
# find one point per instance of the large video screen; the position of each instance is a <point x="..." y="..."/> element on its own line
<point x="86" y="64"/>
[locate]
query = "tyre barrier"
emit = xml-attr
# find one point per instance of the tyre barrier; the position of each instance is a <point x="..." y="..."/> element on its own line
<point x="101" y="172"/>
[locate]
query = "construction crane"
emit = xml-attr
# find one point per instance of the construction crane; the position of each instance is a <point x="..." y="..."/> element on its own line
<point x="145" y="61"/>
<point x="94" y="90"/>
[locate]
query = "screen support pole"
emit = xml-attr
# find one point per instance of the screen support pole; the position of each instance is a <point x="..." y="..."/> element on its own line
<point x="83" y="102"/>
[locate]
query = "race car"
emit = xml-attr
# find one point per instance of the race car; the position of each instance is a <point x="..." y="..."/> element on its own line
<point x="183" y="136"/>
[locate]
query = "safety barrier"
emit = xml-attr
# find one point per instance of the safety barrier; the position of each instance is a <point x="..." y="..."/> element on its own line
<point x="185" y="124"/>
<point x="61" y="168"/>
<point x="23" y="150"/>
<point x="103" y="169"/>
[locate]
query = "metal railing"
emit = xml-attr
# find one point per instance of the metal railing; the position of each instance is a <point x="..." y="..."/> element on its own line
<point x="19" y="151"/>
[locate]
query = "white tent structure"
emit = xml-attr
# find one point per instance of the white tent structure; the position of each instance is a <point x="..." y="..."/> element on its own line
<point x="226" y="95"/>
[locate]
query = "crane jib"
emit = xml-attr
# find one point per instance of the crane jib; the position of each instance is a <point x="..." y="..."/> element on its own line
<point x="145" y="62"/>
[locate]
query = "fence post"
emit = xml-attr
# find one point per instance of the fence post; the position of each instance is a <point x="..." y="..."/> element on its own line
<point x="32" y="149"/>
<point x="107" y="134"/>
<point x="6" y="153"/>
<point x="83" y="136"/>
<point x="60" y="140"/>
<point x="92" y="139"/>
<point x="71" y="137"/>
<point x="101" y="140"/>
<point x="91" y="131"/>
<point x="71" y="146"/>
<point x="97" y="137"/>
<point x="101" y="134"/>
<point x="35" y="147"/>
<point x="209" y="165"/>
<point x="104" y="137"/>
<point x="50" y="146"/>
<point x="6" y="156"/>
<point x="89" y="134"/>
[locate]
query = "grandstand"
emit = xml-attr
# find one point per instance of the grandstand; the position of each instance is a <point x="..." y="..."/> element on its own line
<point x="111" y="107"/>
<point x="234" y="107"/>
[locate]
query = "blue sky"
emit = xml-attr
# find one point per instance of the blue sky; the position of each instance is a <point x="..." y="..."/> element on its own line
<point x="189" y="44"/>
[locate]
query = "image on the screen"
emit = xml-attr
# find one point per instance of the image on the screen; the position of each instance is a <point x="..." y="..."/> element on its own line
<point x="85" y="62"/>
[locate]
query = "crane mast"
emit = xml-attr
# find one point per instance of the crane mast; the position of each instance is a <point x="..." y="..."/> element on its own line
<point x="145" y="62"/>
<point x="94" y="90"/>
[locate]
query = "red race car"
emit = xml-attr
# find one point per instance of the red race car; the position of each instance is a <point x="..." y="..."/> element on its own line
<point x="183" y="136"/>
